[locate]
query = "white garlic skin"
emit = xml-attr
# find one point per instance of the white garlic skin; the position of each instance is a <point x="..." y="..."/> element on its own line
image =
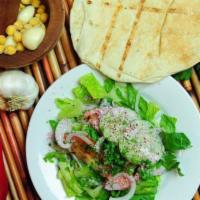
<point x="10" y="41"/>
<point x="33" y="37"/>
<point x="26" y="14"/>
<point x="20" y="84"/>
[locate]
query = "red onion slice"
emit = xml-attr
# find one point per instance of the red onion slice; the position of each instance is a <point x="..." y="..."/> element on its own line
<point x="127" y="182"/>
<point x="98" y="144"/>
<point x="64" y="136"/>
<point x="64" y="128"/>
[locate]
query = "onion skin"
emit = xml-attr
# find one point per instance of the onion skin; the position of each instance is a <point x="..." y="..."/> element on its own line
<point x="64" y="127"/>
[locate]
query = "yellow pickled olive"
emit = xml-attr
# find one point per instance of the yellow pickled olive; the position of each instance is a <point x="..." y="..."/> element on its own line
<point x="44" y="17"/>
<point x="20" y="47"/>
<point x="10" y="30"/>
<point x="10" y="50"/>
<point x="2" y="39"/>
<point x="26" y="2"/>
<point x="1" y="49"/>
<point x="38" y="15"/>
<point x="17" y="36"/>
<point x="19" y="25"/>
<point x="21" y="6"/>
<point x="35" y="3"/>
<point x="34" y="21"/>
<point x="41" y="9"/>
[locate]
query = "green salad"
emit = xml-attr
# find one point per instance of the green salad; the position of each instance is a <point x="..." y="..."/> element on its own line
<point x="109" y="142"/>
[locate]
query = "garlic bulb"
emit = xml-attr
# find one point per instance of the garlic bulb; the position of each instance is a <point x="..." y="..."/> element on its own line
<point x="26" y="14"/>
<point x="17" y="90"/>
<point x="32" y="38"/>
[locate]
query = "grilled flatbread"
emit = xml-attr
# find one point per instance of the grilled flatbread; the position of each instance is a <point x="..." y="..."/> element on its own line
<point x="137" y="40"/>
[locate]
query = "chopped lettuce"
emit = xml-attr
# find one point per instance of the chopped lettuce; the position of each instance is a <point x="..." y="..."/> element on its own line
<point x="168" y="124"/>
<point x="52" y="156"/>
<point x="84" y="197"/>
<point x="81" y="181"/>
<point x="81" y="93"/>
<point x="69" y="191"/>
<point x="144" y="197"/>
<point x="132" y="95"/>
<point x="118" y="193"/>
<point x="143" y="107"/>
<point x="53" y="124"/>
<point x="94" y="193"/>
<point x="109" y="84"/>
<point x="69" y="108"/>
<point x="127" y="96"/>
<point x="170" y="162"/>
<point x="175" y="141"/>
<point x="69" y="178"/>
<point x="148" y="186"/>
<point x="152" y="110"/>
<point x="92" y="133"/>
<point x="146" y="190"/>
<point x="122" y="97"/>
<point x="113" y="157"/>
<point x="95" y="89"/>
<point x="147" y="110"/>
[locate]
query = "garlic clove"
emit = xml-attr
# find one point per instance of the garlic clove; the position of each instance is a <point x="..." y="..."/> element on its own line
<point x="32" y="38"/>
<point x="26" y="14"/>
<point x="10" y="41"/>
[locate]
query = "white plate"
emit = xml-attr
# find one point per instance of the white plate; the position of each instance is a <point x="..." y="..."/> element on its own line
<point x="167" y="93"/>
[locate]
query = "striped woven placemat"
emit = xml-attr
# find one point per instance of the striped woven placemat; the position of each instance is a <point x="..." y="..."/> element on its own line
<point x="13" y="125"/>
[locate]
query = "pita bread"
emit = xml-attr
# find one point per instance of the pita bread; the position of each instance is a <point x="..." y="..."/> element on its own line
<point x="137" y="40"/>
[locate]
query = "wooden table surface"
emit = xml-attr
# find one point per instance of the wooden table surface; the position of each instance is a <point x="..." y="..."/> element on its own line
<point x="13" y="125"/>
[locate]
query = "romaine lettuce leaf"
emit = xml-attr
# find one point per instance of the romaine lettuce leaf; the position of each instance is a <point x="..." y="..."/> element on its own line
<point x="84" y="197"/>
<point x="95" y="89"/>
<point x="81" y="93"/>
<point x="144" y="197"/>
<point x="147" y="110"/>
<point x="122" y="98"/>
<point x="168" y="124"/>
<point x="109" y="84"/>
<point x="143" y="107"/>
<point x="175" y="141"/>
<point x="132" y="95"/>
<point x="152" y="110"/>
<point x="69" y="178"/>
<point x="170" y="162"/>
<point x="69" y="108"/>
<point x="147" y="189"/>
<point x="92" y="133"/>
<point x="69" y="191"/>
